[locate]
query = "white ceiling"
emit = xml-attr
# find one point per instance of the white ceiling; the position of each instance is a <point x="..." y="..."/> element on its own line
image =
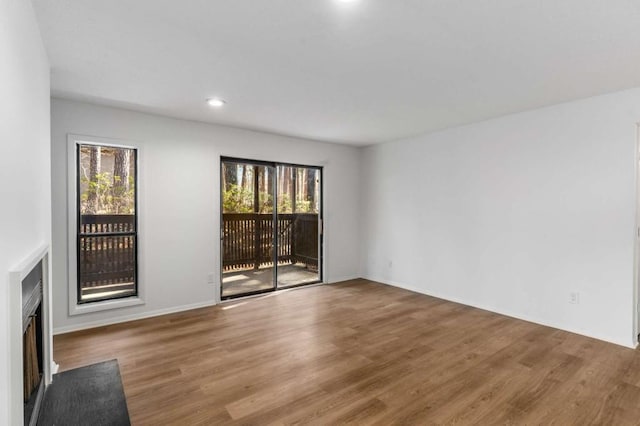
<point x="357" y="73"/>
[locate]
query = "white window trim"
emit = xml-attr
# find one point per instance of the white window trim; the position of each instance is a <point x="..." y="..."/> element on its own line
<point x="74" y="307"/>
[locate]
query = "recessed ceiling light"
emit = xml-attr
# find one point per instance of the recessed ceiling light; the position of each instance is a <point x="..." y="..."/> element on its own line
<point x="347" y="1"/>
<point x="216" y="102"/>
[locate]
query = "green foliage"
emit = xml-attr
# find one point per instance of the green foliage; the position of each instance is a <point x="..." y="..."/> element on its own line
<point x="237" y="200"/>
<point x="304" y="206"/>
<point x="266" y="203"/>
<point x="284" y="203"/>
<point x="104" y="195"/>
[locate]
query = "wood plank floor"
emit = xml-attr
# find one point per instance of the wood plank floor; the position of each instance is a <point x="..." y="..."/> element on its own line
<point x="363" y="353"/>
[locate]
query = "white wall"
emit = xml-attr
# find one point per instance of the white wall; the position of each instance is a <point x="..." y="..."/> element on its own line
<point x="25" y="214"/>
<point x="514" y="214"/>
<point x="179" y="206"/>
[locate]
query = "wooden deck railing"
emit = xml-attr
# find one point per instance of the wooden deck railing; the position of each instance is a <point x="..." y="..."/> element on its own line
<point x="106" y="259"/>
<point x="247" y="243"/>
<point x="247" y="239"/>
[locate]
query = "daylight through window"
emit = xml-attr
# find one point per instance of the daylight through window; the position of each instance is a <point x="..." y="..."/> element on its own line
<point x="107" y="222"/>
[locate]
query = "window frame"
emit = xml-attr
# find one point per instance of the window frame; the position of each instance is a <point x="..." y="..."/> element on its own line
<point x="76" y="307"/>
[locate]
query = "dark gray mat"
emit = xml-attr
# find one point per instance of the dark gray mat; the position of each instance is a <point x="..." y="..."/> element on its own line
<point x="91" y="395"/>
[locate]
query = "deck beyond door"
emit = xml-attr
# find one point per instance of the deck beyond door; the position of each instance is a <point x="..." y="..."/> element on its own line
<point x="254" y="280"/>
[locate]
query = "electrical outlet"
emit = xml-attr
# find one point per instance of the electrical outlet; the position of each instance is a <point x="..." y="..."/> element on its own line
<point x="574" y="298"/>
<point x="211" y="278"/>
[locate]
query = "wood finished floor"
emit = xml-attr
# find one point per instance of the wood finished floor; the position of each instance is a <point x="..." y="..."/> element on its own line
<point x="363" y="353"/>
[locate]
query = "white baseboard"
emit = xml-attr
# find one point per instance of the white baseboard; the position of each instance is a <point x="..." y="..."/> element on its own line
<point x="340" y="279"/>
<point x="628" y="344"/>
<point x="54" y="367"/>
<point x="132" y="317"/>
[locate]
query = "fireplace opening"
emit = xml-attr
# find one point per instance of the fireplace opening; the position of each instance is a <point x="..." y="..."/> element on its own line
<point x="32" y="344"/>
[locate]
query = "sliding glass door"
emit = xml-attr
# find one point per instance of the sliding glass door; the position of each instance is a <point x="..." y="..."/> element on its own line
<point x="247" y="231"/>
<point x="271" y="226"/>
<point x="298" y="216"/>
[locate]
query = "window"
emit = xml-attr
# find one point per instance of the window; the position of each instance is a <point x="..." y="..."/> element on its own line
<point x="106" y="222"/>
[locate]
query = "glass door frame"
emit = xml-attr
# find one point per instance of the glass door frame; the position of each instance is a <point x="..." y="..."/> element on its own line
<point x="274" y="165"/>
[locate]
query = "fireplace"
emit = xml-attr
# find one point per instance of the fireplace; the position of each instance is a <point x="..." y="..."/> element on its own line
<point x="32" y="344"/>
<point x="30" y="341"/>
